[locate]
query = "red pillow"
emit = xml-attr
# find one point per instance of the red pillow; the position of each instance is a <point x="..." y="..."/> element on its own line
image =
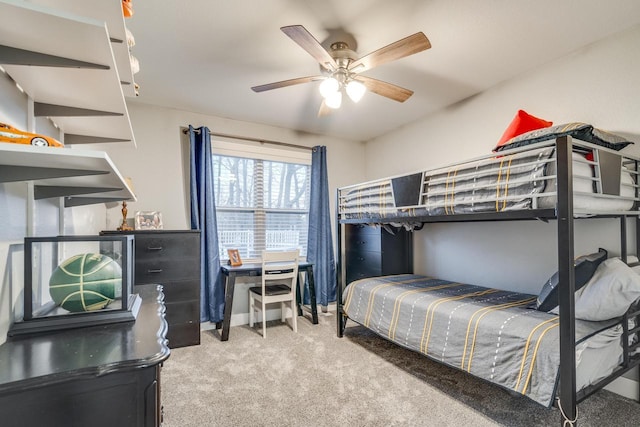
<point x="521" y="123"/>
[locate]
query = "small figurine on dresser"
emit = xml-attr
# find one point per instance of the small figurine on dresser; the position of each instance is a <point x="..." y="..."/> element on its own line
<point x="124" y="226"/>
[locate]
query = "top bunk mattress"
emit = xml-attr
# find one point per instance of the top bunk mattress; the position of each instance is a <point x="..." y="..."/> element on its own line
<point x="524" y="179"/>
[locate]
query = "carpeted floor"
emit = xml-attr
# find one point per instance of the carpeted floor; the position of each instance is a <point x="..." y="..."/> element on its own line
<point x="314" y="378"/>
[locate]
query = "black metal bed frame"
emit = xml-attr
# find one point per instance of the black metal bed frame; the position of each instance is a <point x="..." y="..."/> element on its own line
<point x="568" y="397"/>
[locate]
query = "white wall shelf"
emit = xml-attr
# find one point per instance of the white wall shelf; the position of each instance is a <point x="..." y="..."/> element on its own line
<point x="109" y="12"/>
<point x="80" y="176"/>
<point x="57" y="32"/>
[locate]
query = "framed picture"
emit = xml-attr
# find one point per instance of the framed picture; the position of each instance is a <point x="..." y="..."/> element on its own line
<point x="234" y="257"/>
<point x="148" y="220"/>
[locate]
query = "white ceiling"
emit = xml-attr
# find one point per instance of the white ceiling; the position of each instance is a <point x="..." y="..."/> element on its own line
<point x="204" y="55"/>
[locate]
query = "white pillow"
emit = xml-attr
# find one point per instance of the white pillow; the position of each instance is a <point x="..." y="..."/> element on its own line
<point x="609" y="293"/>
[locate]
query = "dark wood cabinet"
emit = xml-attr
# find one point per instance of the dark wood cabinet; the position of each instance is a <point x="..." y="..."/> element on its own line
<point x="373" y="251"/>
<point x="172" y="258"/>
<point x="100" y="376"/>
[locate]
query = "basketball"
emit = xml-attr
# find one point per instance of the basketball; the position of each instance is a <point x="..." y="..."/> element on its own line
<point x="85" y="282"/>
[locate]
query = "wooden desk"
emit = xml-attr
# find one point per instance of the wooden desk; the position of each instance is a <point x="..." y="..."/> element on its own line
<point x="230" y="273"/>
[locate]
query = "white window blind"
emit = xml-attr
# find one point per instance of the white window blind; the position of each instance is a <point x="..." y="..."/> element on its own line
<point x="261" y="204"/>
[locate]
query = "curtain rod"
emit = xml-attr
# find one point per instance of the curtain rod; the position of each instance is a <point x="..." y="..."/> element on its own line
<point x="248" y="138"/>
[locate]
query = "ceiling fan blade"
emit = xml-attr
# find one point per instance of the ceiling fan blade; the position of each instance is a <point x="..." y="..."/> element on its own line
<point x="300" y="35"/>
<point x="385" y="89"/>
<point x="324" y="109"/>
<point x="405" y="47"/>
<point x="285" y="83"/>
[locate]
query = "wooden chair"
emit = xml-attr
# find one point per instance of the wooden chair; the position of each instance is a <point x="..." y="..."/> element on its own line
<point x="279" y="284"/>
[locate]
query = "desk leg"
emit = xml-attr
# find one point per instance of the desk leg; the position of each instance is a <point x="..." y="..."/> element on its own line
<point x="300" y="293"/>
<point x="230" y="284"/>
<point x="312" y="295"/>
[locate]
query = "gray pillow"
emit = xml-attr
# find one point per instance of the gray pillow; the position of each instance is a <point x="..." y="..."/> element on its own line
<point x="585" y="267"/>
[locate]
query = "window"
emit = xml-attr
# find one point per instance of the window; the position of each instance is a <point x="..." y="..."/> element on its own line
<point x="261" y="203"/>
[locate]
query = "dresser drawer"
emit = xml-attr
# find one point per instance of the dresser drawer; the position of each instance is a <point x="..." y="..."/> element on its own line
<point x="164" y="271"/>
<point x="352" y="276"/>
<point x="185" y="290"/>
<point x="363" y="229"/>
<point x="363" y="258"/>
<point x="363" y="240"/>
<point x="182" y="312"/>
<point x="361" y="264"/>
<point x="167" y="246"/>
<point x="183" y="334"/>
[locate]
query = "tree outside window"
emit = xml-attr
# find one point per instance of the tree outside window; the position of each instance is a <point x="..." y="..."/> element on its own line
<point x="260" y="204"/>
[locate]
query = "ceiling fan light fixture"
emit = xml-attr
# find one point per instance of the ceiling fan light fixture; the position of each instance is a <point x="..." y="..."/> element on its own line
<point x="334" y="100"/>
<point x="355" y="90"/>
<point x="340" y="66"/>
<point x="329" y="87"/>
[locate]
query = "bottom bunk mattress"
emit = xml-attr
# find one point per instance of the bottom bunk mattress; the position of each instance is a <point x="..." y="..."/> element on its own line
<point x="493" y="334"/>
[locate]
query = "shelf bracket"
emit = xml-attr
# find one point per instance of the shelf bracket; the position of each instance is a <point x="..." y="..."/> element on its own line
<point x="52" y="110"/>
<point x="11" y="173"/>
<point x="15" y="56"/>
<point x="50" y="191"/>
<point x="71" y="138"/>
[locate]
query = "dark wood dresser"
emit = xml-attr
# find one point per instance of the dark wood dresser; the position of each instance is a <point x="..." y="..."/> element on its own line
<point x="99" y="376"/>
<point x="172" y="258"/>
<point x="372" y="251"/>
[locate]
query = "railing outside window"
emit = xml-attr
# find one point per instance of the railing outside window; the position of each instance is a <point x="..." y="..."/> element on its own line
<point x="260" y="204"/>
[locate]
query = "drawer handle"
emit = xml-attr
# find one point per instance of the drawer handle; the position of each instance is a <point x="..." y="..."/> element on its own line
<point x="154" y="248"/>
<point x="157" y="270"/>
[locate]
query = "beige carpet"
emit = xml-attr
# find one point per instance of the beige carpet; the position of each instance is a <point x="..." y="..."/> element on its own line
<point x="313" y="378"/>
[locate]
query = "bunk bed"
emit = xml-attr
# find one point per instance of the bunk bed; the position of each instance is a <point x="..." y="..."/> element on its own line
<point x="560" y="174"/>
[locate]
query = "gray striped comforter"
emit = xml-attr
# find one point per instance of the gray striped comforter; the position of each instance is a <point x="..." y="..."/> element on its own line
<point x="490" y="333"/>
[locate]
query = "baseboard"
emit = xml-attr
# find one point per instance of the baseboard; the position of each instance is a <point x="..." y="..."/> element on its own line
<point x="624" y="387"/>
<point x="243" y="318"/>
<point x="207" y="326"/>
<point x="239" y="319"/>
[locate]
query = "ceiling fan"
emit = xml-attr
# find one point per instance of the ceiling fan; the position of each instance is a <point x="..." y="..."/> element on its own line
<point x="341" y="68"/>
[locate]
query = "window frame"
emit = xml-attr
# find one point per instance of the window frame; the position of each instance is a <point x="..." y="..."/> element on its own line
<point x="259" y="151"/>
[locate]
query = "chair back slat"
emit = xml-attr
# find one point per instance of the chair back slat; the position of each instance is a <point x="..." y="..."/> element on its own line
<point x="280" y="265"/>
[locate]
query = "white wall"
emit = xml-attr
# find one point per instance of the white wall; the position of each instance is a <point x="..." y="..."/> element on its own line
<point x="160" y="162"/>
<point x="597" y="85"/>
<point x="159" y="165"/>
<point x="13" y="213"/>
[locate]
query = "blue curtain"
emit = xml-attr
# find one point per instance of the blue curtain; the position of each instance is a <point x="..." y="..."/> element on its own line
<point x="203" y="218"/>
<point x="320" y="242"/>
